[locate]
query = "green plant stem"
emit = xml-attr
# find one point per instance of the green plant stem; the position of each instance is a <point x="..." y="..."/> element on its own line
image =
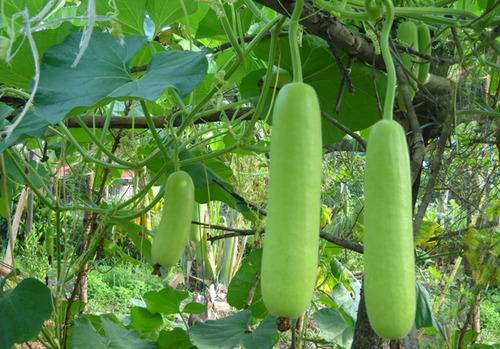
<point x="233" y="65"/>
<point x="145" y="189"/>
<point x="231" y="35"/>
<point x="86" y="155"/>
<point x="273" y="47"/>
<point x="107" y="121"/>
<point x="389" y="63"/>
<point x="28" y="181"/>
<point x="138" y="213"/>
<point x="293" y="36"/>
<point x="152" y="128"/>
<point x="422" y="11"/>
<point x="103" y="148"/>
<point x="256" y="11"/>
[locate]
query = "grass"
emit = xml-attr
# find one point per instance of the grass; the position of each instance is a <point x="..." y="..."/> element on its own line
<point x="113" y="287"/>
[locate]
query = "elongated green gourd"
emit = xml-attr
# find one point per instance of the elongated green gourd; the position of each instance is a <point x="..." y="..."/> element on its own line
<point x="424" y="46"/>
<point x="389" y="275"/>
<point x="407" y="34"/>
<point x="174" y="229"/>
<point x="290" y="253"/>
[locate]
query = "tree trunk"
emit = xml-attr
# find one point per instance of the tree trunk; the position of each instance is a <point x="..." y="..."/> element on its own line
<point x="364" y="336"/>
<point x="476" y="316"/>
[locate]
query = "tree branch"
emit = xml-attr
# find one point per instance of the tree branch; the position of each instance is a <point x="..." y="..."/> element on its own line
<point x="326" y="26"/>
<point x="433" y="173"/>
<point x="345" y="129"/>
<point x="159" y="121"/>
<point x="350" y="245"/>
<point x="417" y="146"/>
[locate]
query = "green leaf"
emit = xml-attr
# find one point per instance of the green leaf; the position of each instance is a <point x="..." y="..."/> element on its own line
<point x="5" y="111"/>
<point x="210" y="26"/>
<point x="130" y="14"/>
<point x="359" y="109"/>
<point x="242" y="282"/>
<point x="233" y="331"/>
<point x="423" y="315"/>
<point x="333" y="327"/>
<point x="143" y="320"/>
<point x="166" y="301"/>
<point x="83" y="335"/>
<point x="175" y="339"/>
<point x="103" y="74"/>
<point x="194" y="308"/>
<point x="114" y="336"/>
<point x="21" y="69"/>
<point x="137" y="234"/>
<point x="23" y="311"/>
<point x="167" y="12"/>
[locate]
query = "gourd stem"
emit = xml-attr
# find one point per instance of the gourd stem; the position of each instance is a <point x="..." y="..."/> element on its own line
<point x="389" y="63"/>
<point x="294" y="40"/>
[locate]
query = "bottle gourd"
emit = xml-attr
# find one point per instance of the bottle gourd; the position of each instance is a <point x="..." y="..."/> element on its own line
<point x="407" y="33"/>
<point x="425" y="47"/>
<point x="174" y="229"/>
<point x="290" y="254"/>
<point x="389" y="275"/>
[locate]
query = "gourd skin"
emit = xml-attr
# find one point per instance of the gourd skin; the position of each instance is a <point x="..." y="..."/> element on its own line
<point x="407" y="33"/>
<point x="290" y="255"/>
<point x="424" y="46"/>
<point x="389" y="266"/>
<point x="174" y="229"/>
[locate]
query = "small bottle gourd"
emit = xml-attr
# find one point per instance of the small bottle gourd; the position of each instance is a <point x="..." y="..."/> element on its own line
<point x="290" y="255"/>
<point x="407" y="34"/>
<point x="174" y="229"/>
<point x="424" y="46"/>
<point x="389" y="275"/>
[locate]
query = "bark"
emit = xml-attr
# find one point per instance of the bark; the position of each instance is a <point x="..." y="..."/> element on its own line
<point x="435" y="167"/>
<point x="476" y="316"/>
<point x="327" y="27"/>
<point x="139" y="122"/>
<point x="364" y="336"/>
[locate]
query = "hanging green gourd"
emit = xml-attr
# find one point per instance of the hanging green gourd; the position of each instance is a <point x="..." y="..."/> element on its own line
<point x="290" y="250"/>
<point x="425" y="47"/>
<point x="174" y="229"/>
<point x="389" y="275"/>
<point x="407" y="34"/>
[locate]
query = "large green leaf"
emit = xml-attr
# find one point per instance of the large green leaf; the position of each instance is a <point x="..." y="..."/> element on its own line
<point x="143" y="320"/>
<point x="359" y="109"/>
<point x="5" y="111"/>
<point x="166" y="301"/>
<point x="83" y="335"/>
<point x="23" y="311"/>
<point x="167" y="12"/>
<point x="129" y="14"/>
<point x="243" y="281"/>
<point x="210" y="26"/>
<point x="175" y="339"/>
<point x="114" y="336"/>
<point x="21" y="69"/>
<point x="210" y="179"/>
<point x="333" y="327"/>
<point x="233" y="331"/>
<point x="103" y="74"/>
<point x="423" y="315"/>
